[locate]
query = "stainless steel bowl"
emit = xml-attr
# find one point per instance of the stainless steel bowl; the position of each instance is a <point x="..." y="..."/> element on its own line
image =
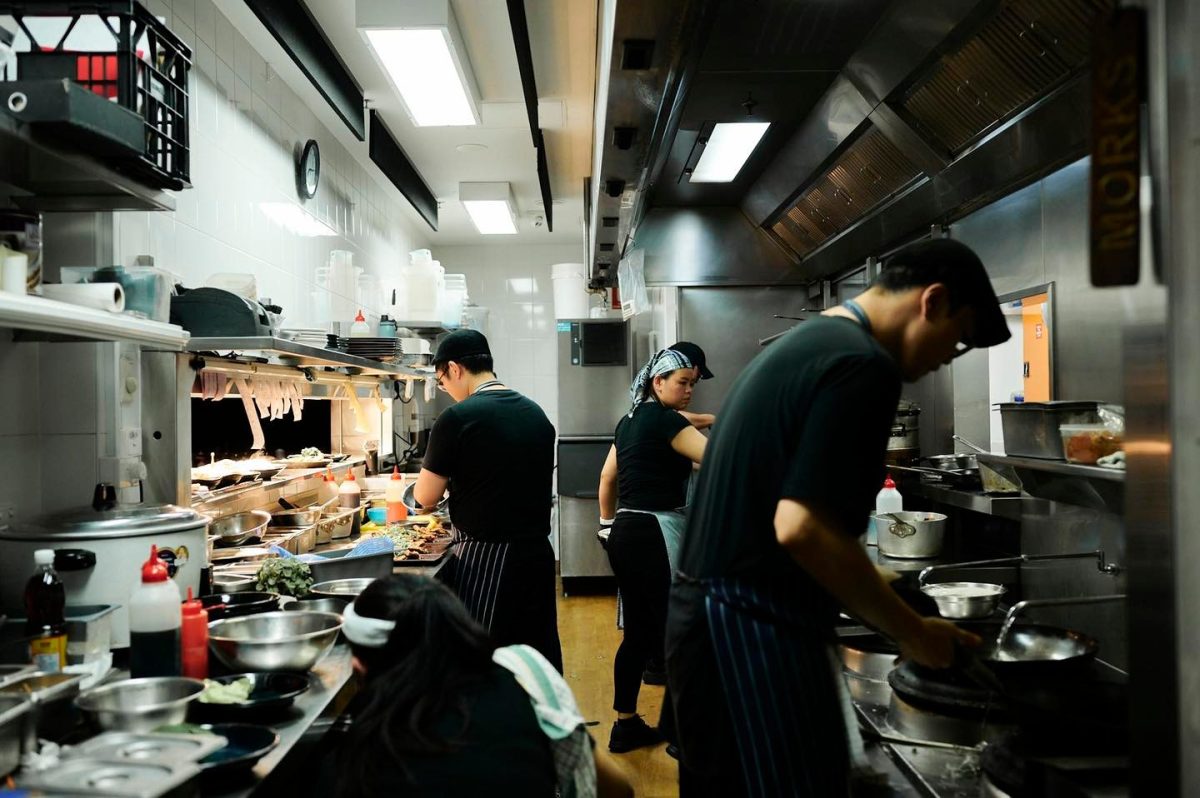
<point x="335" y="605"/>
<point x="345" y="589"/>
<point x="234" y="530"/>
<point x="140" y="705"/>
<point x="274" y="641"/>
<point x="305" y="517"/>
<point x="410" y="501"/>
<point x="965" y="599"/>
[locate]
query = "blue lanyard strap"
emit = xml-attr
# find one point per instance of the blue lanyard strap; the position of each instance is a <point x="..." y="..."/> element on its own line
<point x="859" y="313"/>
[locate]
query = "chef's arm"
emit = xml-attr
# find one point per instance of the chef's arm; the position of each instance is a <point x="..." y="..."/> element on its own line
<point x="430" y="488"/>
<point x="840" y="565"/>
<point x="608" y="485"/>
<point x="690" y="443"/>
<point x="699" y="420"/>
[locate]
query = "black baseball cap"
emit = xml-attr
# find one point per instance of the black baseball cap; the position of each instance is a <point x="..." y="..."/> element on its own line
<point x="694" y="354"/>
<point x="954" y="264"/>
<point x="460" y="344"/>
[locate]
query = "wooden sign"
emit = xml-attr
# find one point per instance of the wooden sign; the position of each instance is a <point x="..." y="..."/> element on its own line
<point x="1118" y="75"/>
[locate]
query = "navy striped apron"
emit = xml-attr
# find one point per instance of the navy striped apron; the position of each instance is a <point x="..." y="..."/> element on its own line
<point x="787" y="702"/>
<point x="475" y="574"/>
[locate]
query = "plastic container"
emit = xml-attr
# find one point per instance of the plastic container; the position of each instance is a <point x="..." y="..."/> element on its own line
<point x="154" y="622"/>
<point x="1087" y="443"/>
<point x="425" y="281"/>
<point x="89" y="631"/>
<point x="571" y="298"/>
<point x="327" y="491"/>
<point x="887" y="500"/>
<point x="387" y="327"/>
<point x="360" y="328"/>
<point x="45" y="603"/>
<point x="454" y="298"/>
<point x="1031" y="429"/>
<point x="193" y="638"/>
<point x="147" y="288"/>
<point x="396" y="510"/>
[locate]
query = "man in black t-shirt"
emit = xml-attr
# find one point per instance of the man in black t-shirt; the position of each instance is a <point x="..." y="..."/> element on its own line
<point x="494" y="451"/>
<point x="771" y="551"/>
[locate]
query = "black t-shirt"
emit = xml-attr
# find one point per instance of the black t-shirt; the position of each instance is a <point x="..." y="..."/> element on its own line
<point x="497" y="449"/>
<point x="502" y="750"/>
<point x="808" y="420"/>
<point x="650" y="474"/>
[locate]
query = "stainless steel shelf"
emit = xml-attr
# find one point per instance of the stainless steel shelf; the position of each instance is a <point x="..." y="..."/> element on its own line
<point x="39" y="319"/>
<point x="1010" y="507"/>
<point x="1058" y="467"/>
<point x="291" y="353"/>
<point x="1097" y="488"/>
<point x="44" y="177"/>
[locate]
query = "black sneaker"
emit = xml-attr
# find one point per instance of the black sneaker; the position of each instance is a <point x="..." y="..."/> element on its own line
<point x="655" y="676"/>
<point x="673" y="751"/>
<point x="630" y="733"/>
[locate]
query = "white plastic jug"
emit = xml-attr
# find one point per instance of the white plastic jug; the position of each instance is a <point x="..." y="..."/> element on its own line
<point x="570" y="290"/>
<point x="425" y="281"/>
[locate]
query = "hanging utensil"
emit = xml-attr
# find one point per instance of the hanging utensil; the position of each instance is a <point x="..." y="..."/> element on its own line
<point x="970" y="445"/>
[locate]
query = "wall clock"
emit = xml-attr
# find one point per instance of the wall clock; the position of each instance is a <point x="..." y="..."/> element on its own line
<point x="308" y="169"/>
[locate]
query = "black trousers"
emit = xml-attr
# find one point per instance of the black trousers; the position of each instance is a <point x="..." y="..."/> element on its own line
<point x="639" y="560"/>
<point x="509" y="589"/>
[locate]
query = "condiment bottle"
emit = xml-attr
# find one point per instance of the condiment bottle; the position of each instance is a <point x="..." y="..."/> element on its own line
<point x="360" y="328"/>
<point x="193" y="636"/>
<point x="349" y="494"/>
<point x="887" y="500"/>
<point x="327" y="491"/>
<point x="154" y="621"/>
<point x="396" y="511"/>
<point x="45" y="608"/>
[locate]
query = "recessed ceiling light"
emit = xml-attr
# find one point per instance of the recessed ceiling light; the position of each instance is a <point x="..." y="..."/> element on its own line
<point x="471" y="147"/>
<point x="728" y="147"/>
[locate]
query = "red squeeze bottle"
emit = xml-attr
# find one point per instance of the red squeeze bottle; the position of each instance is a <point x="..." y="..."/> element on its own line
<point x="194" y="638"/>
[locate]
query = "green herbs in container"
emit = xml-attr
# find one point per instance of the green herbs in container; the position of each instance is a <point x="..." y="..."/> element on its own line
<point x="284" y="576"/>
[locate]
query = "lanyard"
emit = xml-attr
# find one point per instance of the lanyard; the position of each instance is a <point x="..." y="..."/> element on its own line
<point x="859" y="313"/>
<point x="487" y="384"/>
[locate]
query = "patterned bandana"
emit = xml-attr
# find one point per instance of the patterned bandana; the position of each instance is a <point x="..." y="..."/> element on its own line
<point x="663" y="361"/>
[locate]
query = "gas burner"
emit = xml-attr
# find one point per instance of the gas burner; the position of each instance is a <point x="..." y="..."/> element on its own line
<point x="967" y="729"/>
<point x="1018" y="766"/>
<point x="946" y="690"/>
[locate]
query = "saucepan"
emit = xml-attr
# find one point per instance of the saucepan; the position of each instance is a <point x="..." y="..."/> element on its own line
<point x="910" y="535"/>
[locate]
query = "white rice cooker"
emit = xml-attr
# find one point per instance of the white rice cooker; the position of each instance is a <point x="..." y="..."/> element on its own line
<point x="99" y="555"/>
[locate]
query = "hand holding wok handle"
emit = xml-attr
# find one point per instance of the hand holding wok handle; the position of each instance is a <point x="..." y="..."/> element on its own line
<point x="1102" y="563"/>
<point x="935" y="643"/>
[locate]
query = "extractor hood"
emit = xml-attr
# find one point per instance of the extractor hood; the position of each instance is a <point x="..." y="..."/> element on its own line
<point x="927" y="109"/>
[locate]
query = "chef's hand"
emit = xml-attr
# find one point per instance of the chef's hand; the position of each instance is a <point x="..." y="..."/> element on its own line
<point x="934" y="641"/>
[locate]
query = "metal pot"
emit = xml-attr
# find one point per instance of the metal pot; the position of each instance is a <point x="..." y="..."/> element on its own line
<point x="99" y="554"/>
<point x="925" y="540"/>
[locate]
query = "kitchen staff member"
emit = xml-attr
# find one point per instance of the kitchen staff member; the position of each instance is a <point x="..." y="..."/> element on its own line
<point x="648" y="468"/>
<point x="494" y="450"/>
<point x="770" y="550"/>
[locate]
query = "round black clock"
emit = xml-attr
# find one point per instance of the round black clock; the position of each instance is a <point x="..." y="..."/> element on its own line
<point x="308" y="169"/>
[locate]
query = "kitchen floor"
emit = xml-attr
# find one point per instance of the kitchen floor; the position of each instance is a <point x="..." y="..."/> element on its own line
<point x="588" y="630"/>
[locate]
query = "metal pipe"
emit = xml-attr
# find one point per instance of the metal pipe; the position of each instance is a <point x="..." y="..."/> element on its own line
<point x="1021" y="606"/>
<point x="1102" y="563"/>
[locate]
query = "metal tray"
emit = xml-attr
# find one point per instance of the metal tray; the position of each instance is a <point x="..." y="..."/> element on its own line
<point x="334" y="565"/>
<point x="16" y="731"/>
<point x="156" y="747"/>
<point x="114" y="779"/>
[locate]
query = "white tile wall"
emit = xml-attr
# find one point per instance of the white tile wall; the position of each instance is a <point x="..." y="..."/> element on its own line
<point x="513" y="281"/>
<point x="246" y="128"/>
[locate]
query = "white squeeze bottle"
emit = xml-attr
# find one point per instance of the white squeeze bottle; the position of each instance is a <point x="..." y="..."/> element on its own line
<point x="887" y="500"/>
<point x="155" y="617"/>
<point x="349" y="494"/>
<point x="327" y="491"/>
<point x="360" y="328"/>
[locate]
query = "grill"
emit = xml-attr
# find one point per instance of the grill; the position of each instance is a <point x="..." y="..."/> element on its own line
<point x="866" y="174"/>
<point x="1022" y="52"/>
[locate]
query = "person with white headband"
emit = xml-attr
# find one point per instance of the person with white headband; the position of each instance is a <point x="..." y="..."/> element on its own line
<point x="444" y="712"/>
<point x="643" y="488"/>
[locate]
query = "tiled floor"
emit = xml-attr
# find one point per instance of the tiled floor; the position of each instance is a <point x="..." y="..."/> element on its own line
<point x="587" y="626"/>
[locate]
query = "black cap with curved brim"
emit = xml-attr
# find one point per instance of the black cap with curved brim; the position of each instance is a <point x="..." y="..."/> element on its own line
<point x="460" y="344"/>
<point x="694" y="354"/>
<point x="963" y="273"/>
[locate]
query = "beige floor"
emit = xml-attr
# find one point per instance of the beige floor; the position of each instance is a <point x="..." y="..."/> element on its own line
<point x="587" y="626"/>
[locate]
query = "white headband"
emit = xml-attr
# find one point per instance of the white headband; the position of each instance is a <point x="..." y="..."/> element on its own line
<point x="366" y="632"/>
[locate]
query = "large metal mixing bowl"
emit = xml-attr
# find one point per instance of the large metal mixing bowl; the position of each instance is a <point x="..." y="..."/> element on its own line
<point x="234" y="530"/>
<point x="140" y="705"/>
<point x="345" y="589"/>
<point x="335" y="605"/>
<point x="965" y="599"/>
<point x="274" y="641"/>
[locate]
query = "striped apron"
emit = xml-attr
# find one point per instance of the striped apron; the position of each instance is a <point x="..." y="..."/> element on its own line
<point x="508" y="588"/>
<point x="795" y="728"/>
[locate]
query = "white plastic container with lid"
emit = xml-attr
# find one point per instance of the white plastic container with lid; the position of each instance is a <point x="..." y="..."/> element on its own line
<point x="571" y="298"/>
<point x="887" y="500"/>
<point x="454" y="298"/>
<point x="425" y="281"/>
<point x="155" y="618"/>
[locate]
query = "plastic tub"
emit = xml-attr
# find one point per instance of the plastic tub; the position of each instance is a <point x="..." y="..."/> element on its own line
<point x="1031" y="429"/>
<point x="571" y="298"/>
<point x="1087" y="443"/>
<point x="89" y="631"/>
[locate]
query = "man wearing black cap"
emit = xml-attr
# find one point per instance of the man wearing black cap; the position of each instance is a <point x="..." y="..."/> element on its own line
<point x="770" y="551"/>
<point x="494" y="450"/>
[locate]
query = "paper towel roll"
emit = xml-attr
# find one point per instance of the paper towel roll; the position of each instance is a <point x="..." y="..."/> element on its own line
<point x="102" y="296"/>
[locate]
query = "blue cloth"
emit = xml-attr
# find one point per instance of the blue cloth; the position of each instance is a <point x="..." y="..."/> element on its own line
<point x="364" y="548"/>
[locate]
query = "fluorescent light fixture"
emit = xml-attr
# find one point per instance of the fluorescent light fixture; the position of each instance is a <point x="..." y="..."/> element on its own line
<point x="419" y="47"/>
<point x="728" y="147"/>
<point x="490" y="206"/>
<point x="295" y="219"/>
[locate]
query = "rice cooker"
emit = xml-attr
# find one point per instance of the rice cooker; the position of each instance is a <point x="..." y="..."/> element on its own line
<point x="99" y="554"/>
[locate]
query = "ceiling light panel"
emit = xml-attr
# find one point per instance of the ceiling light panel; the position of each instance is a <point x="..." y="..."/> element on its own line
<point x="490" y="206"/>
<point x="419" y="47"/>
<point x="728" y="147"/>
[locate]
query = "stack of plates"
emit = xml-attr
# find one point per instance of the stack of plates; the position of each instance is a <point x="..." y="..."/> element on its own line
<point x="313" y="336"/>
<point x="334" y="342"/>
<point x="375" y="348"/>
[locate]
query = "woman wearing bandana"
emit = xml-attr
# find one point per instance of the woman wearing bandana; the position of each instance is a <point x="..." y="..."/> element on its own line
<point x="643" y="489"/>
<point x="444" y="712"/>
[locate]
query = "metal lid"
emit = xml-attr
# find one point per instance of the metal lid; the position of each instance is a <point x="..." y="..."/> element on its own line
<point x="121" y="522"/>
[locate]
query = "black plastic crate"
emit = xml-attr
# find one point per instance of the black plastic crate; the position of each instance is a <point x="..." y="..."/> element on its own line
<point x="145" y="71"/>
